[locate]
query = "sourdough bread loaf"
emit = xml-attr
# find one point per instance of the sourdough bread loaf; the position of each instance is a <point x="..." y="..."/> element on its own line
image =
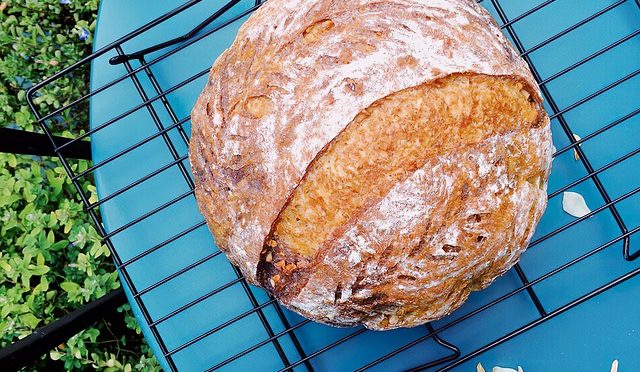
<point x="371" y="162"/>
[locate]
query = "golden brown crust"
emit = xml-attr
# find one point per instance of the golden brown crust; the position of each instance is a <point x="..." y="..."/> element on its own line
<point x="439" y="120"/>
<point x="353" y="172"/>
<point x="298" y="73"/>
<point x="415" y="256"/>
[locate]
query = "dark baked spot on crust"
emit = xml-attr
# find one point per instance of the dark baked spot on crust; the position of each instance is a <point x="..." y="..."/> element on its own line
<point x="358" y="284"/>
<point x="477" y="217"/>
<point x="427" y="226"/>
<point x="464" y="192"/>
<point x="406" y="27"/>
<point x="232" y="109"/>
<point x="337" y="296"/>
<point x="376" y="297"/>
<point x="420" y="246"/>
<point x="236" y="175"/>
<point x="388" y="251"/>
<point x="236" y="159"/>
<point x="451" y="248"/>
<point x="281" y="271"/>
<point x="441" y="258"/>
<point x="407" y="277"/>
<point x="352" y="86"/>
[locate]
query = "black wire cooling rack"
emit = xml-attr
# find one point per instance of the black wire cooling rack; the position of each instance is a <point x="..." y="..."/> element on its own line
<point x="454" y="358"/>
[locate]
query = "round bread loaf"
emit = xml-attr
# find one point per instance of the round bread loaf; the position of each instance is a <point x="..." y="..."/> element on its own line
<point x="371" y="162"/>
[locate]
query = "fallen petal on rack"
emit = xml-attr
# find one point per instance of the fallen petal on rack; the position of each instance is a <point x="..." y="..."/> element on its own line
<point x="614" y="366"/>
<point x="574" y="204"/>
<point x="480" y="368"/>
<point x="575" y="153"/>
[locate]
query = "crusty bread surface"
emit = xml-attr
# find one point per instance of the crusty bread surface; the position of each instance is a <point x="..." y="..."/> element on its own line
<point x="371" y="162"/>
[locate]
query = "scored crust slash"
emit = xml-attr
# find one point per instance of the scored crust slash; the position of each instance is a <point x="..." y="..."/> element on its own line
<point x="371" y="162"/>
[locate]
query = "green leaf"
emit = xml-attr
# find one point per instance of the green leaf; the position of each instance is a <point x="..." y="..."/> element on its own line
<point x="8" y="199"/>
<point x="70" y="287"/>
<point x="29" y="196"/>
<point x="6" y="310"/>
<point x="59" y="245"/>
<point x="38" y="270"/>
<point x="40" y="259"/>
<point x="92" y="334"/>
<point x="43" y="286"/>
<point x="13" y="162"/>
<point x="29" y="320"/>
<point x="5" y="266"/>
<point x="56" y="182"/>
<point x="21" y="120"/>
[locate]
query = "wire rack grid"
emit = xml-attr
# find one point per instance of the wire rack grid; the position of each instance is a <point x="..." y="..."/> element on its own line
<point x="282" y="333"/>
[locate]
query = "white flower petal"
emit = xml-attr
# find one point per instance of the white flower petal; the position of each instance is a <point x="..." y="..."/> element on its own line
<point x="503" y="369"/>
<point x="480" y="368"/>
<point x="614" y="366"/>
<point x="574" y="204"/>
<point x="520" y="369"/>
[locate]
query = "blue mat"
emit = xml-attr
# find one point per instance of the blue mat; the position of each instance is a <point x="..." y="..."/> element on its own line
<point x="585" y="338"/>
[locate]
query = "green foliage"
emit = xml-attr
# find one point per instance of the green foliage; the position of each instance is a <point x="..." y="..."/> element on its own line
<point x="37" y="38"/>
<point x="52" y="259"/>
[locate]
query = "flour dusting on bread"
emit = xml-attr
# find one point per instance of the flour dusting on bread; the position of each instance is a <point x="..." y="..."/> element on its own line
<point x="297" y="75"/>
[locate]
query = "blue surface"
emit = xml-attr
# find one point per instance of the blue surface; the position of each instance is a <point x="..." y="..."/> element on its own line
<point x="586" y="338"/>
